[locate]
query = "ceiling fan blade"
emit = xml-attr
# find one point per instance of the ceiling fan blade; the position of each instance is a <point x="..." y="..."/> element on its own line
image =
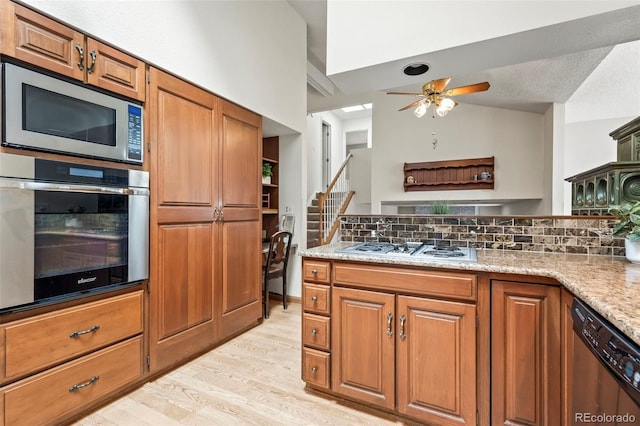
<point x="404" y="93"/>
<point x="463" y="90"/>
<point x="411" y="105"/>
<point x="437" y="85"/>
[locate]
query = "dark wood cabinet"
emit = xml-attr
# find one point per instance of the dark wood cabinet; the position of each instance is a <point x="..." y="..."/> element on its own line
<point x="525" y="354"/>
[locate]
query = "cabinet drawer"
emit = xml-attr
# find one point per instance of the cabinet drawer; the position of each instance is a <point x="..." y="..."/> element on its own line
<point x="315" y="331"/>
<point x="316" y="271"/>
<point x="315" y="367"/>
<point x="424" y="282"/>
<point x="70" y="387"/>
<point x="55" y="337"/>
<point x="315" y="298"/>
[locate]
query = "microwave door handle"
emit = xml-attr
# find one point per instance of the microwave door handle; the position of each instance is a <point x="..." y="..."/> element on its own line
<point x="63" y="187"/>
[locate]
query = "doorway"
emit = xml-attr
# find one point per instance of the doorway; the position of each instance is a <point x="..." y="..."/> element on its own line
<point x="326" y="155"/>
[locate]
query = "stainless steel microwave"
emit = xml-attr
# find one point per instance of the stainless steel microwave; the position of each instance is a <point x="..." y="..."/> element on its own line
<point x="50" y="114"/>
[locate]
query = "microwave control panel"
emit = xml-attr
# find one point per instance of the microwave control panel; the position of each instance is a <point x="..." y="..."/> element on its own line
<point x="134" y="137"/>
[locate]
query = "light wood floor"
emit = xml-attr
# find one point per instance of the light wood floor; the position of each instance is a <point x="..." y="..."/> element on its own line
<point x="251" y="380"/>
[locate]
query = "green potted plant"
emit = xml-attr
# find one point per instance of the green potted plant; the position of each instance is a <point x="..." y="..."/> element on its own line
<point x="628" y="226"/>
<point x="267" y="172"/>
<point x="441" y="207"/>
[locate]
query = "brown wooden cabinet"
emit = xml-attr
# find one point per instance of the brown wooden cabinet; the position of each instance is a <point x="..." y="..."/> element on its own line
<point x="316" y="323"/>
<point x="568" y="338"/>
<point x="182" y="214"/>
<point x="64" y="361"/>
<point x="525" y="354"/>
<point x="436" y="365"/>
<point x="393" y="337"/>
<point x="237" y="286"/>
<point x="363" y="346"/>
<point x="205" y="219"/>
<point x="31" y="37"/>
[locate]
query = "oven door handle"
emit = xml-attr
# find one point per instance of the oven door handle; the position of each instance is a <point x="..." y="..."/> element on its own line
<point x="31" y="185"/>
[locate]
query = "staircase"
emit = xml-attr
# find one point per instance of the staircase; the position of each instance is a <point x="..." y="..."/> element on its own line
<point x="323" y="213"/>
<point x="313" y="223"/>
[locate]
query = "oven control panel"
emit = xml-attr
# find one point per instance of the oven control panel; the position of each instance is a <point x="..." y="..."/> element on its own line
<point x="614" y="349"/>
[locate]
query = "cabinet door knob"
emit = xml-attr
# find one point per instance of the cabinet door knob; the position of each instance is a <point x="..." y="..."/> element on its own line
<point x="314" y="370"/>
<point x="314" y="299"/>
<point x="314" y="332"/>
<point x="314" y="272"/>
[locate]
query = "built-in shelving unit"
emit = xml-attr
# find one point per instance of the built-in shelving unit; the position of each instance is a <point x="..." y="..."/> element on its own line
<point x="472" y="173"/>
<point x="270" y="196"/>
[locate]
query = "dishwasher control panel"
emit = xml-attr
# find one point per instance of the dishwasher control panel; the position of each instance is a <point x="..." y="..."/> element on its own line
<point x="615" y="350"/>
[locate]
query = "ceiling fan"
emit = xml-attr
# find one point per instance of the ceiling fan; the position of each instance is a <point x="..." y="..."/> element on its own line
<point x="434" y="93"/>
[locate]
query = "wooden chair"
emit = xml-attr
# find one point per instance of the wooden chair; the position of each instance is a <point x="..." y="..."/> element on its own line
<point x="276" y="267"/>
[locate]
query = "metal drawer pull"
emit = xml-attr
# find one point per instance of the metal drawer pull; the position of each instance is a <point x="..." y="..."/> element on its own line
<point x="314" y="332"/>
<point x="314" y="370"/>
<point x="81" y="59"/>
<point x="314" y="271"/>
<point x="389" y="320"/>
<point x="80" y="333"/>
<point x="84" y="385"/>
<point x="314" y="299"/>
<point x="402" y="321"/>
<point x="92" y="66"/>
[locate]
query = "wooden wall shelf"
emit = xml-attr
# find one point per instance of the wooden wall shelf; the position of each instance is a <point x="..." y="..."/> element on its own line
<point x="449" y="175"/>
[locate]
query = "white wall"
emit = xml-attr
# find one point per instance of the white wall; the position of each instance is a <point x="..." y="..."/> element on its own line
<point x="514" y="138"/>
<point x="356" y="124"/>
<point x="388" y="30"/>
<point x="251" y="52"/>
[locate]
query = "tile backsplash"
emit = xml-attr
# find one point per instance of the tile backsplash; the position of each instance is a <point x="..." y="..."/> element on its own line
<point x="561" y="234"/>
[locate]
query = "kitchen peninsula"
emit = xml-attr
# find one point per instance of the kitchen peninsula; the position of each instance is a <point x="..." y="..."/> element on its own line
<point x="502" y="323"/>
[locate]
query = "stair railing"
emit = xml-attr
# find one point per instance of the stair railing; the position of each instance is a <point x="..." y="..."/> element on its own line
<point x="333" y="203"/>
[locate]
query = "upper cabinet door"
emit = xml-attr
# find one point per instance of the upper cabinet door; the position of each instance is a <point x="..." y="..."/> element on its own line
<point x="33" y="38"/>
<point x="114" y="70"/>
<point x="48" y="44"/>
<point x="240" y="155"/>
<point x="182" y="139"/>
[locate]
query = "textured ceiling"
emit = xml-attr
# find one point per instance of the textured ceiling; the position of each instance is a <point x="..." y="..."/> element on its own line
<point x="526" y="86"/>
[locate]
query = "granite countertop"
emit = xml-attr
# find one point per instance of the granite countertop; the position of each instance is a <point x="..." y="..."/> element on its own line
<point x="610" y="285"/>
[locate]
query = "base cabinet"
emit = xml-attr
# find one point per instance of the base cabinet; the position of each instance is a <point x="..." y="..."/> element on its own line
<point x="437" y="386"/>
<point x="60" y="363"/>
<point x="433" y="377"/>
<point x="525" y="354"/>
<point x="414" y="355"/>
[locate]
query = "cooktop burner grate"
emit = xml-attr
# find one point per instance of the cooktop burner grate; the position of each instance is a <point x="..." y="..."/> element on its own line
<point x="415" y="249"/>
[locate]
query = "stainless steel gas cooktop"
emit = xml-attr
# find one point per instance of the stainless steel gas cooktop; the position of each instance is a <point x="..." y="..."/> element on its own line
<point x="413" y="249"/>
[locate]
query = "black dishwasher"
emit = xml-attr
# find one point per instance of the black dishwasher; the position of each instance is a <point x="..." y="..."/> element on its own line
<point x="606" y="371"/>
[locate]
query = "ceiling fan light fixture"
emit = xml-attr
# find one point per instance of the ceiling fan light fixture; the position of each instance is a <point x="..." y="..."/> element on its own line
<point x="416" y="69"/>
<point x="447" y="104"/>
<point x="422" y="107"/>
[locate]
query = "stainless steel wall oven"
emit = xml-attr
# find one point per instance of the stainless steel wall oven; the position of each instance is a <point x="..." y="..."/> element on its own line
<point x="67" y="230"/>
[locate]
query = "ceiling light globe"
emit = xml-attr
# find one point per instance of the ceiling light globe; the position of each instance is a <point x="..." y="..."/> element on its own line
<point x="421" y="109"/>
<point x="447" y="104"/>
<point x="441" y="111"/>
